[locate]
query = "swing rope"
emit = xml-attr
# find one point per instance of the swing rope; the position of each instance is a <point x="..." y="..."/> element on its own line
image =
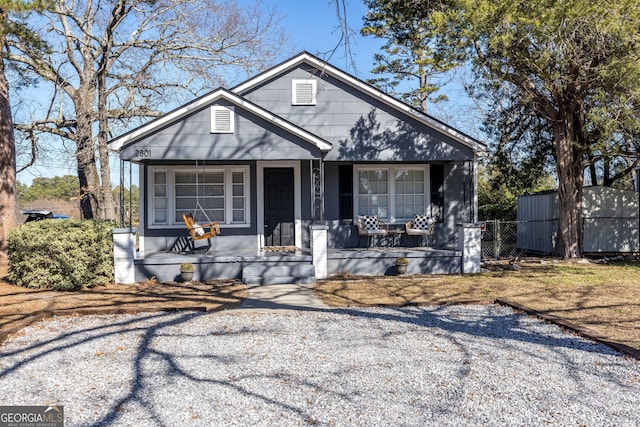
<point x="196" y="230"/>
<point x="198" y="205"/>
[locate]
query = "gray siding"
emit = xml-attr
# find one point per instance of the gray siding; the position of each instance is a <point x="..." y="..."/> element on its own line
<point x="360" y="127"/>
<point x="190" y="138"/>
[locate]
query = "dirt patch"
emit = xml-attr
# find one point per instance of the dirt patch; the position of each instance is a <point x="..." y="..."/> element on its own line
<point x="22" y="306"/>
<point x="603" y="298"/>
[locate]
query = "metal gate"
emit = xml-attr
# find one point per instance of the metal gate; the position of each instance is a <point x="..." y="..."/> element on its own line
<point x="500" y="238"/>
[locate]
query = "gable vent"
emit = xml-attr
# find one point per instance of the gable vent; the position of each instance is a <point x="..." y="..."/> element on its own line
<point x="221" y="119"/>
<point x="304" y="92"/>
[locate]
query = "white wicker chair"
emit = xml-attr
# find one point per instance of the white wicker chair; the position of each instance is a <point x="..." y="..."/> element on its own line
<point x="370" y="227"/>
<point x="421" y="230"/>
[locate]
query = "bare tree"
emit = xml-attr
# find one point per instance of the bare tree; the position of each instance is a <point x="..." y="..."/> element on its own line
<point x="119" y="62"/>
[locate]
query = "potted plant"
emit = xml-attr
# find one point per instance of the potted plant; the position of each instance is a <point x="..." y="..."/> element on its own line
<point x="186" y="271"/>
<point x="401" y="265"/>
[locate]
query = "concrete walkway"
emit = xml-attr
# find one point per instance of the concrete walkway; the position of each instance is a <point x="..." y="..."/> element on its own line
<point x="281" y="297"/>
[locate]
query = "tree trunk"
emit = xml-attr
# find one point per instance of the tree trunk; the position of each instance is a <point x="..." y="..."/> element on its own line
<point x="570" y="182"/>
<point x="106" y="194"/>
<point x="87" y="170"/>
<point x="8" y="202"/>
<point x="106" y="191"/>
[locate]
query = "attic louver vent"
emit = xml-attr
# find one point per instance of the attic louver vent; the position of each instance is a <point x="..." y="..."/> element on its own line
<point x="304" y="92"/>
<point x="221" y="119"/>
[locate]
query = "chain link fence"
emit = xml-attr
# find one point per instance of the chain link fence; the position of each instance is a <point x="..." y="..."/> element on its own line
<point x="500" y="239"/>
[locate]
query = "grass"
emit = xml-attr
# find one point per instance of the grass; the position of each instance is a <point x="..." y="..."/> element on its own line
<point x="21" y="306"/>
<point x="603" y="298"/>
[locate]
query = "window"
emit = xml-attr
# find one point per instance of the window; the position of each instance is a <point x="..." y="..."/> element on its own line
<point x="373" y="193"/>
<point x="410" y="193"/>
<point x="394" y="194"/>
<point x="208" y="194"/>
<point x="222" y="119"/>
<point x="303" y="92"/>
<point x="160" y="204"/>
<point x="221" y="192"/>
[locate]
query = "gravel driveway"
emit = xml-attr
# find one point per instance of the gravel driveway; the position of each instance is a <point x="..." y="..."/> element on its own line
<point x="457" y="365"/>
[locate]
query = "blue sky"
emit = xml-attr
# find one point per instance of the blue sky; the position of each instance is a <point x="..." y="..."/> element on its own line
<point x="312" y="25"/>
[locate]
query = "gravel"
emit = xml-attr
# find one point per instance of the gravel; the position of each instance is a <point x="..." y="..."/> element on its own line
<point x="444" y="366"/>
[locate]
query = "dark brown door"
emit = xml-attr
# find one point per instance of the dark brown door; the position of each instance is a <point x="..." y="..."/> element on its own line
<point x="278" y="207"/>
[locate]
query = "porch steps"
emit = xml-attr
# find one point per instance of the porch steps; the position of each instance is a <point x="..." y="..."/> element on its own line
<point x="290" y="273"/>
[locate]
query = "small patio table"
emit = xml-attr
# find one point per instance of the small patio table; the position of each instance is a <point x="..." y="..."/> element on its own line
<point x="393" y="237"/>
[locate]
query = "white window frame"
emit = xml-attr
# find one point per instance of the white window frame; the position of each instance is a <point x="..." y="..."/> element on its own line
<point x="314" y="90"/>
<point x="172" y="221"/>
<point x="391" y="189"/>
<point x="214" y="110"/>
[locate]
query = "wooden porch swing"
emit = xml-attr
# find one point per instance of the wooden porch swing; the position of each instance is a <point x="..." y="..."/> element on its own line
<point x="200" y="231"/>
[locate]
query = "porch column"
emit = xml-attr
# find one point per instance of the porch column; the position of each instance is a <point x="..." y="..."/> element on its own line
<point x="317" y="188"/>
<point x="469" y="243"/>
<point x="124" y="249"/>
<point x="319" y="250"/>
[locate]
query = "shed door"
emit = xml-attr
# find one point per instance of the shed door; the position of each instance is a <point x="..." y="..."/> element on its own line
<point x="278" y="207"/>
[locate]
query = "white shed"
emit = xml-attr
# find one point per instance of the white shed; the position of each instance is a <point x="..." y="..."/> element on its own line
<point x="610" y="221"/>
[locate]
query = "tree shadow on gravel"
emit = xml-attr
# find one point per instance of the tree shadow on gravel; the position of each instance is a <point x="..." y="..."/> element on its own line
<point x="503" y="330"/>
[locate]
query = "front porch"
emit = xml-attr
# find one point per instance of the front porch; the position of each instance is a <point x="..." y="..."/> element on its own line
<point x="270" y="267"/>
<point x="297" y="266"/>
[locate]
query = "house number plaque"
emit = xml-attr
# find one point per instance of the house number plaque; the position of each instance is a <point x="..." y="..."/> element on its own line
<point x="144" y="152"/>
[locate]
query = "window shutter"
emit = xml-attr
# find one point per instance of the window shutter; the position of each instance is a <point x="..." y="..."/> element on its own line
<point x="304" y="92"/>
<point x="221" y="119"/>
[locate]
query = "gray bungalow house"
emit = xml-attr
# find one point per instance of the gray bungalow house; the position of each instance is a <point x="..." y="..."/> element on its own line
<point x="303" y="146"/>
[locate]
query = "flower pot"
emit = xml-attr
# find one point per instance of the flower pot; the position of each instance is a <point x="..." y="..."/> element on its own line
<point x="401" y="268"/>
<point x="186" y="276"/>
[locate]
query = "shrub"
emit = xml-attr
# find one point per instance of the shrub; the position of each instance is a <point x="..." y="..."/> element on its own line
<point x="402" y="261"/>
<point x="186" y="266"/>
<point x="61" y="254"/>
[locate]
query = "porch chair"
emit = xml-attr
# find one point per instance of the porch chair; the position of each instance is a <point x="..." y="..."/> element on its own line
<point x="200" y="231"/>
<point x="370" y="227"/>
<point x="421" y="226"/>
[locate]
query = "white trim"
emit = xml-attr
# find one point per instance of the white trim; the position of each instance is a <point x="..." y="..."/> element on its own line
<point x="475" y="188"/>
<point x="327" y="68"/>
<point x="219" y="109"/>
<point x="294" y="91"/>
<point x="391" y="189"/>
<point x="172" y="221"/>
<point x="168" y="196"/>
<point x="117" y="143"/>
<point x="142" y="213"/>
<point x="297" y="202"/>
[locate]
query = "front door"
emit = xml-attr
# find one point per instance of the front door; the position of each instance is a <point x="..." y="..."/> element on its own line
<point x="278" y="207"/>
